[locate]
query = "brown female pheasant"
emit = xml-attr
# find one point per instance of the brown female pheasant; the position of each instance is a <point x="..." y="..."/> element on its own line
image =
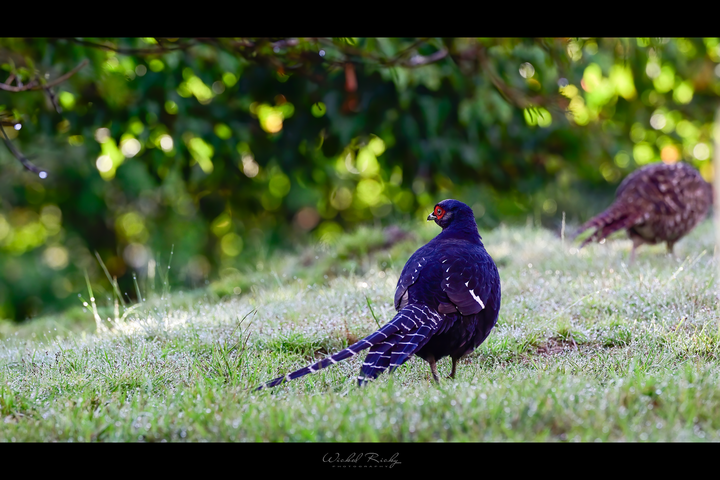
<point x="657" y="203"/>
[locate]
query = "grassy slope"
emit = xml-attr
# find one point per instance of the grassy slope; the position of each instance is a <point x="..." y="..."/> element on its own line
<point x="586" y="348"/>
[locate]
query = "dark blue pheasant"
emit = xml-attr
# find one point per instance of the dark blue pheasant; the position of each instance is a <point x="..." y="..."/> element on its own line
<point x="447" y="298"/>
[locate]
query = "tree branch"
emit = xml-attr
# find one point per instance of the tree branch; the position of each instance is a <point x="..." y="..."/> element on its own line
<point x="133" y="51"/>
<point x="61" y="79"/>
<point x="511" y="94"/>
<point x="25" y="162"/>
<point x="34" y="85"/>
<point x="20" y="88"/>
<point x="406" y="51"/>
<point x="397" y="60"/>
<point x="419" y="60"/>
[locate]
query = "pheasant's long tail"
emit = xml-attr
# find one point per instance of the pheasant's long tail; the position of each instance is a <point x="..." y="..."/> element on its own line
<point x="618" y="217"/>
<point x="390" y="346"/>
<point x="394" y="353"/>
<point x="378" y="359"/>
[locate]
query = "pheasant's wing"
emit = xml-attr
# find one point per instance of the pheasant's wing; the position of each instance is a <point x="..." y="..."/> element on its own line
<point x="631" y="182"/>
<point x="470" y="281"/>
<point x="661" y="188"/>
<point x="409" y="275"/>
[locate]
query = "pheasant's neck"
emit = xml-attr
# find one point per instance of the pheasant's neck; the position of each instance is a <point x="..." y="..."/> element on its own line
<point x="467" y="231"/>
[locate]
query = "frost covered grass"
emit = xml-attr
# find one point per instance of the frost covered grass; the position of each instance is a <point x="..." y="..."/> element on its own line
<point x="587" y="348"/>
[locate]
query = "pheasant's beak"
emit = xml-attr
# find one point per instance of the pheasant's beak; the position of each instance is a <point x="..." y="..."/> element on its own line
<point x="431" y="217"/>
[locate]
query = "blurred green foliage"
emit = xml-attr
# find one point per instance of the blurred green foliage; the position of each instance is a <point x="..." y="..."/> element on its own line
<point x="229" y="148"/>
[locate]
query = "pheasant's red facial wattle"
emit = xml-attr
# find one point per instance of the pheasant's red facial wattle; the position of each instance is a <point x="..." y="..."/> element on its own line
<point x="439" y="212"/>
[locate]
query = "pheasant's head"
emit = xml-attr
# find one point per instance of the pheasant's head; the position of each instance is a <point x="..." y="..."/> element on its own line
<point x="453" y="213"/>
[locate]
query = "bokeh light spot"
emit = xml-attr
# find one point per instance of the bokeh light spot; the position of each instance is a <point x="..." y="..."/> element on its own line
<point x="218" y="87"/>
<point x="307" y="218"/>
<point x="550" y="206"/>
<point x="669" y="154"/>
<point x="56" y="257"/>
<point x="229" y="79"/>
<point x="318" y="109"/>
<point x="231" y="244"/>
<point x="171" y="107"/>
<point x="130" y="147"/>
<point x="527" y="70"/>
<point x="250" y="166"/>
<point x="156" y="65"/>
<point x="223" y="131"/>
<point x="658" y="121"/>
<point x="166" y="143"/>
<point x="701" y="151"/>
<point x="102" y="134"/>
<point x="104" y="163"/>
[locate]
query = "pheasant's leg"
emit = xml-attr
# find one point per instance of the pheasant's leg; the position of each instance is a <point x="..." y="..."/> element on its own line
<point x="452" y="373"/>
<point x="636" y="243"/>
<point x="670" y="246"/>
<point x="433" y="369"/>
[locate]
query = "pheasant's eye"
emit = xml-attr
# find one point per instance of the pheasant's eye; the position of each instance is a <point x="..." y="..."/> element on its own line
<point x="439" y="211"/>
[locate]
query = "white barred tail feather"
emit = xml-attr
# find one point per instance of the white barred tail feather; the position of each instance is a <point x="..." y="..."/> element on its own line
<point x="394" y="353"/>
<point x="377" y="359"/>
<point x="390" y="346"/>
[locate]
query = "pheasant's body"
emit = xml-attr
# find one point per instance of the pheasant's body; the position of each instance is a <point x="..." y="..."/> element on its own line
<point x="658" y="203"/>
<point x="462" y="284"/>
<point x="447" y="298"/>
